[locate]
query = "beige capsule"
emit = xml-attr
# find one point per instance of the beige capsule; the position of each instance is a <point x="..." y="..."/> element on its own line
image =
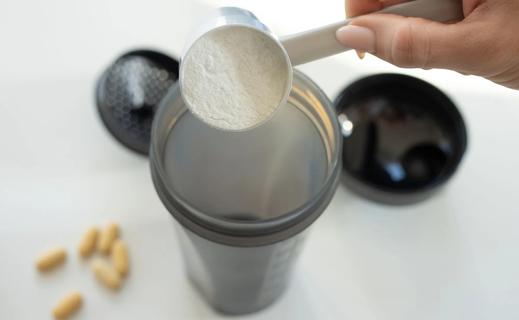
<point x="120" y="259"/>
<point x="68" y="305"/>
<point x="107" y="238"/>
<point x="51" y="258"/>
<point x="106" y="274"/>
<point x="87" y="243"/>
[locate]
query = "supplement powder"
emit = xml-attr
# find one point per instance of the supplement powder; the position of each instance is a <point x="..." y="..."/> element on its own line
<point x="234" y="78"/>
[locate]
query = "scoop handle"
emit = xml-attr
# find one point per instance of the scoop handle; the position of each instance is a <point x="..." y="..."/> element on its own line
<point x="319" y="43"/>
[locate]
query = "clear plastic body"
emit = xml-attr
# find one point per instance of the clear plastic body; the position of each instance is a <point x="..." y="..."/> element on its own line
<point x="244" y="200"/>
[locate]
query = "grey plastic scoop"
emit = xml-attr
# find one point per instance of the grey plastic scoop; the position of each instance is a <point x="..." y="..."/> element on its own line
<point x="321" y="42"/>
<point x="298" y="48"/>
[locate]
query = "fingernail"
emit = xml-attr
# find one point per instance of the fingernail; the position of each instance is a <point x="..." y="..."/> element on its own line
<point x="358" y="38"/>
<point x="360" y="54"/>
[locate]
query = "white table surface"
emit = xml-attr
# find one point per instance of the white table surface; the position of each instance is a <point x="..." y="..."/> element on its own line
<point x="455" y="256"/>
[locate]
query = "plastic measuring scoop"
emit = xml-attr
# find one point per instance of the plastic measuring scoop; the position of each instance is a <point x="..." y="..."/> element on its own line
<point x="318" y="43"/>
<point x="306" y="46"/>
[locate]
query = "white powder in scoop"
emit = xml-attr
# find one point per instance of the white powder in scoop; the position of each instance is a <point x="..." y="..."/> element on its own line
<point x="234" y="78"/>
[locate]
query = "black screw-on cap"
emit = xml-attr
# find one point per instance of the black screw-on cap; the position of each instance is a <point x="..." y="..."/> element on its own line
<point x="402" y="138"/>
<point x="129" y="91"/>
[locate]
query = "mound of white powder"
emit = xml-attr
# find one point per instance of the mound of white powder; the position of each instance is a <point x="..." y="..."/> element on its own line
<point x="234" y="78"/>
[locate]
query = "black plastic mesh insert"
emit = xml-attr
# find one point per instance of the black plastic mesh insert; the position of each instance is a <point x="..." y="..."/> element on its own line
<point x="129" y="91"/>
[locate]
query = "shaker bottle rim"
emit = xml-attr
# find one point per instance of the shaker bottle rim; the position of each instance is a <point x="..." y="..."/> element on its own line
<point x="249" y="233"/>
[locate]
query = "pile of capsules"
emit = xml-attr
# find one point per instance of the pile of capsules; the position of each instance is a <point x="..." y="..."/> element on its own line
<point x="111" y="275"/>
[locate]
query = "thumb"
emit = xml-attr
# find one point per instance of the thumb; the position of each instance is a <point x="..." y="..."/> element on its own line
<point x="408" y="42"/>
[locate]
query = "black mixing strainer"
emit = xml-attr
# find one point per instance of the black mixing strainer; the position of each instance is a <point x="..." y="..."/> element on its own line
<point x="129" y="91"/>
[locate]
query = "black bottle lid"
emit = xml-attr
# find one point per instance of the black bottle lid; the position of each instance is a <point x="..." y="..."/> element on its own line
<point x="129" y="91"/>
<point x="402" y="138"/>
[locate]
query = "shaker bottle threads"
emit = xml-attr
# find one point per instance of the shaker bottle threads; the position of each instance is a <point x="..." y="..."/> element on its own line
<point x="235" y="77"/>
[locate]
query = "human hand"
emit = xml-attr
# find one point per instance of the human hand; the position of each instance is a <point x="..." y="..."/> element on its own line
<point x="485" y="43"/>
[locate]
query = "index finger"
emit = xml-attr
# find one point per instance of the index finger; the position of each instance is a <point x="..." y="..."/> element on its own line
<point x="359" y="7"/>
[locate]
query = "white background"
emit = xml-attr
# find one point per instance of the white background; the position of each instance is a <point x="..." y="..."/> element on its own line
<point x="455" y="256"/>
